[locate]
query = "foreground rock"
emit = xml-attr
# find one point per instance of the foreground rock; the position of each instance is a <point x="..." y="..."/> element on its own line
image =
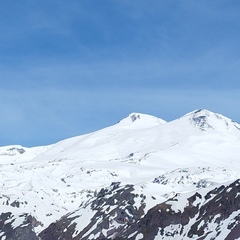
<point x="17" y="227"/>
<point x="116" y="214"/>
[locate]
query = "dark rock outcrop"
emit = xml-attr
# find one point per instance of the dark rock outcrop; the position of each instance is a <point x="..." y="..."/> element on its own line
<point x="115" y="216"/>
<point x="17" y="227"/>
<point x="112" y="210"/>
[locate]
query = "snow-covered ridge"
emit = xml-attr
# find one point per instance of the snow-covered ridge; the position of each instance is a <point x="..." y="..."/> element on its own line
<point x="18" y="153"/>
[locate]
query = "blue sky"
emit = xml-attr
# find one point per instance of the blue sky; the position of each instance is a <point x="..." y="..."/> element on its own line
<point x="72" y="67"/>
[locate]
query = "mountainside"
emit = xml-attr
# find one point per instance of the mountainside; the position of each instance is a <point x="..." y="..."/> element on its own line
<point x="143" y="178"/>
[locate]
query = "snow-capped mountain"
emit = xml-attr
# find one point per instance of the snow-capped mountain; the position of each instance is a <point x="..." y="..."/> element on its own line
<point x="116" y="182"/>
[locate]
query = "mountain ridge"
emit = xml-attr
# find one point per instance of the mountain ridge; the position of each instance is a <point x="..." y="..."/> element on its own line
<point x="147" y="159"/>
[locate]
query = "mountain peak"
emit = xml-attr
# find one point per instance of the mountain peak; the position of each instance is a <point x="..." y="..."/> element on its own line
<point x="140" y="119"/>
<point x="200" y="111"/>
<point x="200" y="118"/>
<point x="205" y="119"/>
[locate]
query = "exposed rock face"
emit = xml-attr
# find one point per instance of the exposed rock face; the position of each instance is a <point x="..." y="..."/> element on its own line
<point x="17" y="227"/>
<point x="112" y="210"/>
<point x="204" y="215"/>
<point x="215" y="214"/>
<point x="118" y="212"/>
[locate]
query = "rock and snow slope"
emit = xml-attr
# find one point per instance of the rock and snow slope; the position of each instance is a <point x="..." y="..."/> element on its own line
<point x="143" y="157"/>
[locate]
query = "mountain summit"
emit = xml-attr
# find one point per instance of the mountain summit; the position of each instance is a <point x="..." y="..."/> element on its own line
<point x="142" y="178"/>
<point x="141" y="120"/>
<point x="204" y="120"/>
